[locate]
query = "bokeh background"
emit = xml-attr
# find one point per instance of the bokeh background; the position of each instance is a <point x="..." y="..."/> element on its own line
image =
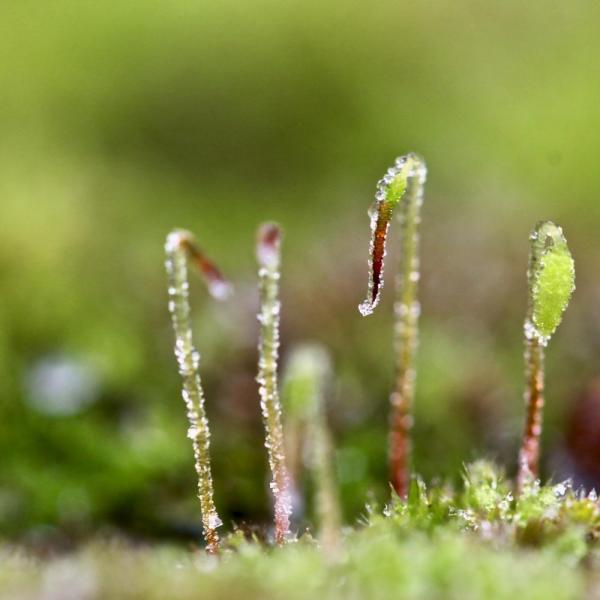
<point x="120" y="120"/>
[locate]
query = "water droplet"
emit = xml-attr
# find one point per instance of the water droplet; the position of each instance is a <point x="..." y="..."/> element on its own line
<point x="219" y="289"/>
<point x="365" y="309"/>
<point x="560" y="490"/>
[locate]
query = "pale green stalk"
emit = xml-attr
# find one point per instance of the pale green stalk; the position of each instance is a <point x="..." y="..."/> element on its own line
<point x="179" y="247"/>
<point x="307" y="376"/>
<point x="268" y="255"/>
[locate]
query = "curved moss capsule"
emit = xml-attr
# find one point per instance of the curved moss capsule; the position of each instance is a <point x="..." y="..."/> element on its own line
<point x="391" y="189"/>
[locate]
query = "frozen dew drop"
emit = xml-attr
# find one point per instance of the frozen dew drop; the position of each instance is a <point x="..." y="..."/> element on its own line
<point x="221" y="290"/>
<point x="560" y="490"/>
<point x="193" y="432"/>
<point x="214" y="520"/>
<point x="366" y="308"/>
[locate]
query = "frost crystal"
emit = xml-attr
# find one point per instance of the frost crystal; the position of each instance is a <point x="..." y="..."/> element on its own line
<point x="560" y="489"/>
<point x="214" y="521"/>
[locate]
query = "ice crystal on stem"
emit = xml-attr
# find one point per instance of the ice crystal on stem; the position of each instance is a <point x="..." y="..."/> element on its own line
<point x="179" y="247"/>
<point x="402" y="187"/>
<point x="268" y="255"/>
<point x="551" y="281"/>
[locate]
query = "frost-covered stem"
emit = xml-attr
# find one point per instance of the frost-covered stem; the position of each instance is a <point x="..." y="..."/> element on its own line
<point x="551" y="281"/>
<point x="268" y="255"/>
<point x="406" y="311"/>
<point x="402" y="186"/>
<point x="179" y="246"/>
<point x="529" y="456"/>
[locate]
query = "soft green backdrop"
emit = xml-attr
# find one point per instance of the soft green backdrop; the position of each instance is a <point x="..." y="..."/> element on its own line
<point x="122" y="119"/>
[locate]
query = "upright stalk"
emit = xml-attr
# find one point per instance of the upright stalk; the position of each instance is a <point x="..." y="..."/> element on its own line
<point x="269" y="258"/>
<point x="402" y="187"/>
<point x="307" y="376"/>
<point x="180" y="246"/>
<point x="327" y="505"/>
<point x="529" y="456"/>
<point x="551" y="281"/>
<point x="406" y="329"/>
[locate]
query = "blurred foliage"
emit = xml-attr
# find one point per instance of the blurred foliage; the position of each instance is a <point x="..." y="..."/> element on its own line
<point x="121" y="120"/>
<point x="474" y="543"/>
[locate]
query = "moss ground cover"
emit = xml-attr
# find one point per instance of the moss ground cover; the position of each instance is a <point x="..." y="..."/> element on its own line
<point x="477" y="542"/>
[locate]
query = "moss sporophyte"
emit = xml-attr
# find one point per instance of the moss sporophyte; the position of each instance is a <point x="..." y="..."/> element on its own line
<point x="401" y="190"/>
<point x="307" y="378"/>
<point x="268" y="254"/>
<point x="551" y="281"/>
<point x="180" y="247"/>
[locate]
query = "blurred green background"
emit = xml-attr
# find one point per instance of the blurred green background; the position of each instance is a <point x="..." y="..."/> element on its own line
<point x="121" y="120"/>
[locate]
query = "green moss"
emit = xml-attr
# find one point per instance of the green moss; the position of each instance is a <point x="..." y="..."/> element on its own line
<point x="396" y="188"/>
<point x="476" y="542"/>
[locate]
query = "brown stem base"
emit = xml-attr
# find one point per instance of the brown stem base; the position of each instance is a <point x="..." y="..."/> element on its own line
<point x="529" y="455"/>
<point x="400" y="446"/>
<point x="212" y="542"/>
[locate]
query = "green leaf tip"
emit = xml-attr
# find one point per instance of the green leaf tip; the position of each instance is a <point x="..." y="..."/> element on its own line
<point x="391" y="188"/>
<point x="408" y="172"/>
<point x="551" y="278"/>
<point x="396" y="188"/>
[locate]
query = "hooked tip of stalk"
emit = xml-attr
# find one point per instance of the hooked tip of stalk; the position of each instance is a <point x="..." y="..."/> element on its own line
<point x="391" y="189"/>
<point x="267" y="245"/>
<point x="183" y="240"/>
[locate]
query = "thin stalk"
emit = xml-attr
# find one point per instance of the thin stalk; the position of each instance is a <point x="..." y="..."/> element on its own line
<point x="551" y="281"/>
<point x="402" y="187"/>
<point x="269" y="258"/>
<point x="180" y="246"/>
<point x="529" y="455"/>
<point x="406" y="328"/>
<point x="327" y="505"/>
<point x="307" y="377"/>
